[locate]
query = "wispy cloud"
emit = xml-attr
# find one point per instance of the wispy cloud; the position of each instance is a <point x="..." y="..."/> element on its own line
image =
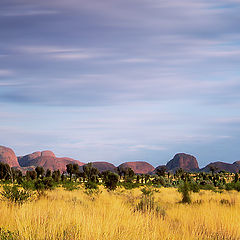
<point x="121" y="79"/>
<point x="147" y="147"/>
<point x="6" y="72"/>
<point x="63" y="53"/>
<point x="27" y="12"/>
<point x="137" y="60"/>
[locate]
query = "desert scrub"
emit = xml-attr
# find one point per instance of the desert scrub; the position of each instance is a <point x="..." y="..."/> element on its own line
<point x="14" y="195"/>
<point x="148" y="204"/>
<point x="8" y="235"/>
<point x="184" y="189"/>
<point x="73" y="215"/>
<point x="70" y="186"/>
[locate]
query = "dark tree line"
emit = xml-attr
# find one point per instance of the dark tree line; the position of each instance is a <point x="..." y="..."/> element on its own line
<point x="91" y="177"/>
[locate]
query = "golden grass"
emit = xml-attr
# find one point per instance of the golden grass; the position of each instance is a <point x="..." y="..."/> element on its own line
<point x="75" y="215"/>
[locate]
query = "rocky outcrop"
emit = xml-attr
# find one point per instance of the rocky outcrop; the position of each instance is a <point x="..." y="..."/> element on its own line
<point x="102" y="166"/>
<point x="8" y="156"/>
<point x="47" y="160"/>
<point x="139" y="167"/>
<point x="222" y="166"/>
<point x="182" y="160"/>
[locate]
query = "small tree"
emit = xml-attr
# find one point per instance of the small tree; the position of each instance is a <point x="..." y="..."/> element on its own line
<point x="40" y="171"/>
<point x="17" y="175"/>
<point x="138" y="179"/>
<point x="111" y="180"/>
<point x="63" y="177"/>
<point x="236" y="177"/>
<point x="56" y="175"/>
<point x="185" y="191"/>
<point x="90" y="172"/>
<point x="5" y="171"/>
<point x="128" y="174"/>
<point x="41" y="185"/>
<point x="180" y="173"/>
<point x="160" y="171"/>
<point x="48" y="173"/>
<point x="147" y="177"/>
<point x="70" y="170"/>
<point x="31" y="175"/>
<point x="76" y="169"/>
<point x="213" y="169"/>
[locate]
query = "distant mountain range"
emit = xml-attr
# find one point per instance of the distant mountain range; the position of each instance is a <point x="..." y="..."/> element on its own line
<point x="48" y="160"/>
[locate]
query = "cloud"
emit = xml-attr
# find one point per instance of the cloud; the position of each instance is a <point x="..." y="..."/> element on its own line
<point x="147" y="147"/>
<point x="27" y="12"/>
<point x="136" y="60"/>
<point x="120" y="79"/>
<point x="62" y="53"/>
<point x="27" y="9"/>
<point x="6" y="72"/>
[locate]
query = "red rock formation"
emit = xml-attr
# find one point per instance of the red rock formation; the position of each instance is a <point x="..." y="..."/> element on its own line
<point x="222" y="166"/>
<point x="103" y="166"/>
<point x="139" y="167"/>
<point x="185" y="161"/>
<point x="8" y="156"/>
<point x="47" y="160"/>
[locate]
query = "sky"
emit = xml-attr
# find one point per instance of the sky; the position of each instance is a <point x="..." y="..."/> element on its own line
<point x="121" y="80"/>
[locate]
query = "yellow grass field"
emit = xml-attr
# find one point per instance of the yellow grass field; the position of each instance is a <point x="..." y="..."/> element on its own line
<point x="63" y="214"/>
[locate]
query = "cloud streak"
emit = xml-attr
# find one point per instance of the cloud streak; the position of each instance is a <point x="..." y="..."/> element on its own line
<point x="138" y="79"/>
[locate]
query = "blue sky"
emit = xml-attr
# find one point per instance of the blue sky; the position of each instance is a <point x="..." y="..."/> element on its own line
<point x="121" y="80"/>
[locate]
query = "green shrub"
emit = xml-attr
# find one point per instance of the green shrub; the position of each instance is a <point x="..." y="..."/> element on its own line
<point x="184" y="189"/>
<point x="8" y="235"/>
<point x="91" y="189"/>
<point x="233" y="186"/>
<point x="70" y="186"/>
<point x="229" y="186"/>
<point x="193" y="186"/>
<point x="14" y="195"/>
<point x="207" y="187"/>
<point x="41" y="185"/>
<point x="110" y="180"/>
<point x="28" y="185"/>
<point x="129" y="185"/>
<point x="147" y="203"/>
<point x="91" y="185"/>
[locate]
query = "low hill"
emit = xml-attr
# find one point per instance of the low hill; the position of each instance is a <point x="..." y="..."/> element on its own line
<point x="8" y="156"/>
<point x="103" y="166"/>
<point x="222" y="166"/>
<point x="139" y="167"/>
<point x="47" y="160"/>
<point x="182" y="160"/>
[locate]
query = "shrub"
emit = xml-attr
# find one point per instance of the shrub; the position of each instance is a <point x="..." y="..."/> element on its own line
<point x="8" y="235"/>
<point x="129" y="185"/>
<point x="185" y="191"/>
<point x="194" y="187"/>
<point x="110" y="180"/>
<point x="233" y="186"/>
<point x="91" y="189"/>
<point x="91" y="185"/>
<point x="147" y="203"/>
<point x="207" y="187"/>
<point x="41" y="185"/>
<point x="14" y="195"/>
<point x="70" y="186"/>
<point x="28" y="185"/>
